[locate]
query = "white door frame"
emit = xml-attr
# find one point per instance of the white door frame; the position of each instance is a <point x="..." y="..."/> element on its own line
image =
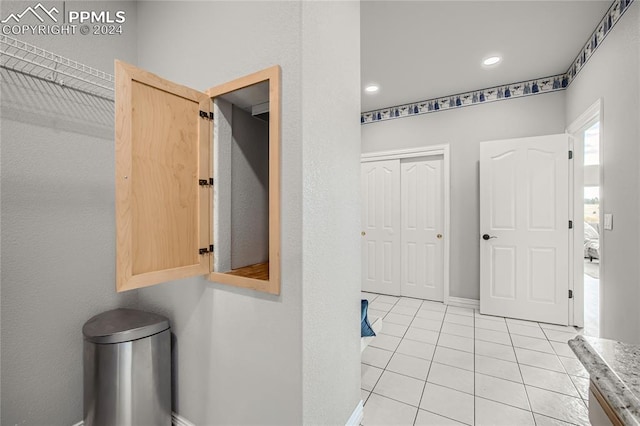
<point x="427" y="151"/>
<point x="576" y="244"/>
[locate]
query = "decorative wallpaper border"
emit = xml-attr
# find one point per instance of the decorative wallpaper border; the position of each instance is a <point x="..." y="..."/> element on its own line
<point x="507" y="91"/>
<point x="611" y="18"/>
<point x="492" y="94"/>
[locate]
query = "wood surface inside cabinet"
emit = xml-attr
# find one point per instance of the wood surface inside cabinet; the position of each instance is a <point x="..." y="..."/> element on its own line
<point x="164" y="182"/>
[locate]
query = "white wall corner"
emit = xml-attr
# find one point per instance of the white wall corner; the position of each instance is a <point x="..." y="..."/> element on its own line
<point x="357" y="415"/>
<point x="464" y="302"/>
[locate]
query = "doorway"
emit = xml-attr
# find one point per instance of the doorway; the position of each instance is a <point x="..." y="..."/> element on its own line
<point x="592" y="193"/>
<point x="588" y="212"/>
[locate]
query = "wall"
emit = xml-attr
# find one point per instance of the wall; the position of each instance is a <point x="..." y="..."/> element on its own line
<point x="237" y="353"/>
<point x="249" y="190"/>
<point x="243" y="357"/>
<point x="223" y="110"/>
<point x="612" y="75"/>
<point x="331" y="210"/>
<point x="58" y="240"/>
<point x="463" y="129"/>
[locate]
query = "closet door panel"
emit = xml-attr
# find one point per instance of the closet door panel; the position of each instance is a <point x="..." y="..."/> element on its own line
<point x="421" y="232"/>
<point x="162" y="153"/>
<point x="381" y="223"/>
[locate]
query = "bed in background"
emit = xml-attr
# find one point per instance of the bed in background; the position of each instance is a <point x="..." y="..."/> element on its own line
<point x="591" y="241"/>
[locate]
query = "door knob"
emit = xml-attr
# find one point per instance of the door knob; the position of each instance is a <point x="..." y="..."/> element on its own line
<point x="439" y="236"/>
<point x="363" y="233"/>
<point x="487" y="237"/>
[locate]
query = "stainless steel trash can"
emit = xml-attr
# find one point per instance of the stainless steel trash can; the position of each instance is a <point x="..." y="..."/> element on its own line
<point x="127" y="369"/>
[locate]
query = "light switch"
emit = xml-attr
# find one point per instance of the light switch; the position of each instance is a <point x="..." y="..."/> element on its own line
<point x="608" y="221"/>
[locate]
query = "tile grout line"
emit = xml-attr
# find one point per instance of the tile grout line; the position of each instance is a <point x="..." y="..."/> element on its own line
<point x="521" y="376"/>
<point x="435" y="347"/>
<point x="548" y="390"/>
<point x="394" y="352"/>
<point x="431" y="361"/>
<point x="474" y="353"/>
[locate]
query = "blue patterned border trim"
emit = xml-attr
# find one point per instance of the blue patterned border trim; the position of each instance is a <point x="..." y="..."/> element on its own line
<point x="507" y="91"/>
<point x="611" y="18"/>
<point x="492" y="94"/>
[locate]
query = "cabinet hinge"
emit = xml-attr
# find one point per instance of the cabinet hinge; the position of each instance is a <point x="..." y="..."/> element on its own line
<point x="570" y="224"/>
<point x="211" y="181"/>
<point x="570" y="155"/>
<point x="570" y="294"/>
<point x="211" y="248"/>
<point x="204" y="250"/>
<point x="206" y="115"/>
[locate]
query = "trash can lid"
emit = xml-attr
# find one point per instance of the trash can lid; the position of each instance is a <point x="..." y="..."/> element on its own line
<point x="123" y="325"/>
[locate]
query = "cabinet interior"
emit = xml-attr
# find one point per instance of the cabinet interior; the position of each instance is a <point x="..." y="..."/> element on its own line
<point x="241" y="173"/>
<point x="246" y="208"/>
<point x="197" y="180"/>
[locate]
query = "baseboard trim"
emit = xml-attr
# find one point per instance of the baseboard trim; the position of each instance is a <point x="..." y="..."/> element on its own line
<point x="176" y="420"/>
<point x="357" y="415"/>
<point x="464" y="302"/>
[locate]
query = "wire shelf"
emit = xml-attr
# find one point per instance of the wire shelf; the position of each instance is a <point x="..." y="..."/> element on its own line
<point x="32" y="60"/>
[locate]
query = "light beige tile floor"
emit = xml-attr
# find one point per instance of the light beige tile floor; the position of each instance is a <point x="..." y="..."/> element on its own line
<point x="438" y="365"/>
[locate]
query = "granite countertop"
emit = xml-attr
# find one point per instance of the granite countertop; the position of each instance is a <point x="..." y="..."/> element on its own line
<point x="614" y="367"/>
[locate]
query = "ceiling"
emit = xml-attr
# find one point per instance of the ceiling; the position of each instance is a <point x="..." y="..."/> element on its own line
<point x="417" y="50"/>
<point x="249" y="96"/>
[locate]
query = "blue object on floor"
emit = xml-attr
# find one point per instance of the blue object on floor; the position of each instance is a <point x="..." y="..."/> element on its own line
<point x="365" y="327"/>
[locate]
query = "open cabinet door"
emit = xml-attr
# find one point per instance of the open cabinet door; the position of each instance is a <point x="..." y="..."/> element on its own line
<point x="162" y="155"/>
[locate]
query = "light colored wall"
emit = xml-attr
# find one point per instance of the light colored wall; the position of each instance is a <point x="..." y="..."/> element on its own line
<point x="223" y="111"/>
<point x="243" y="357"/>
<point x="237" y="353"/>
<point x="58" y="240"/>
<point x="249" y="190"/>
<point x="612" y="75"/>
<point x="463" y="129"/>
<point x="331" y="210"/>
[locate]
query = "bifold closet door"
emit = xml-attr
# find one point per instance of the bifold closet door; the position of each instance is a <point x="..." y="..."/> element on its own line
<point x="422" y="227"/>
<point x="381" y="227"/>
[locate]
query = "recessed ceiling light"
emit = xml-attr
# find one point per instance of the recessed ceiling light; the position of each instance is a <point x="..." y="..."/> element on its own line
<point x="372" y="88"/>
<point x="491" y="60"/>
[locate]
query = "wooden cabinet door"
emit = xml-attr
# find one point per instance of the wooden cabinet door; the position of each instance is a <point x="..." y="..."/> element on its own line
<point x="162" y="152"/>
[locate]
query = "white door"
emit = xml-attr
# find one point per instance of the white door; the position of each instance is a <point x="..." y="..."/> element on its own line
<point x="381" y="227"/>
<point x="524" y="227"/>
<point x="422" y="227"/>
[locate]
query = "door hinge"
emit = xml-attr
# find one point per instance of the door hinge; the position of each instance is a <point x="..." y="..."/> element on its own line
<point x="570" y="224"/>
<point x="204" y="182"/>
<point x="570" y="155"/>
<point x="206" y="115"/>
<point x="570" y="294"/>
